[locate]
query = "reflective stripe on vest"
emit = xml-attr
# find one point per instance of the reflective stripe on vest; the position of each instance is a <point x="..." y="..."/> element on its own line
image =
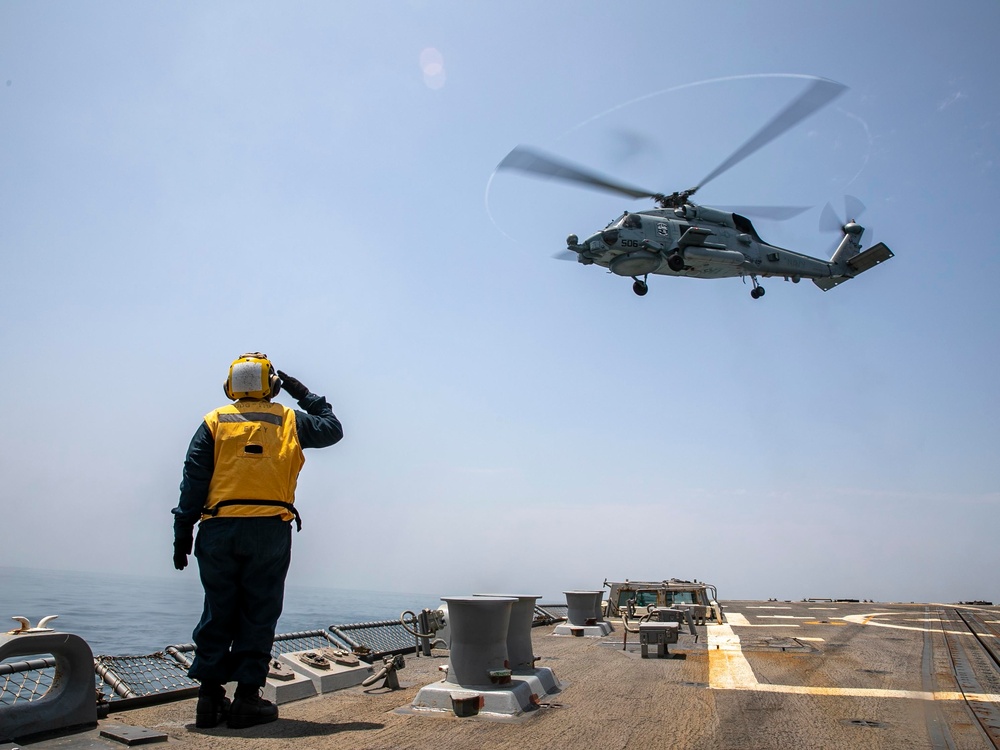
<point x="257" y="461"/>
<point x="251" y="416"/>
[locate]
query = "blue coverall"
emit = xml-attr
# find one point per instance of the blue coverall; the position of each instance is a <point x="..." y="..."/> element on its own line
<point x="242" y="561"/>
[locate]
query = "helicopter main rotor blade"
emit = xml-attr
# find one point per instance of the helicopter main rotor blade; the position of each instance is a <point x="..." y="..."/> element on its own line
<point x="535" y="162"/>
<point x="818" y="95"/>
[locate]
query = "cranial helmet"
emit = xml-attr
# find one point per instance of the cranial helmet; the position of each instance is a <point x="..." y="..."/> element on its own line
<point x="251" y="375"/>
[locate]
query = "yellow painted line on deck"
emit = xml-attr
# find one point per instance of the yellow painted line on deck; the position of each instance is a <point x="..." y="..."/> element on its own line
<point x="728" y="669"/>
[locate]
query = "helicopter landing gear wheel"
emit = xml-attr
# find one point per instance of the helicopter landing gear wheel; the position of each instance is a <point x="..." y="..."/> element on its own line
<point x="758" y="291"/>
<point x="640" y="287"/>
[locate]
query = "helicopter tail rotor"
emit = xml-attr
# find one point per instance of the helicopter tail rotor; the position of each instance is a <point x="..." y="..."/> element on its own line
<point x="830" y="221"/>
<point x="848" y="259"/>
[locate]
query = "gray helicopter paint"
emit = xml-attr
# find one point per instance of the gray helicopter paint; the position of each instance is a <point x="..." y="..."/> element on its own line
<point x="681" y="238"/>
<point x="759" y="259"/>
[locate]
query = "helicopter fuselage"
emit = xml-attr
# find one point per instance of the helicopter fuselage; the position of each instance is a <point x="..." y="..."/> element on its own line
<point x="693" y="241"/>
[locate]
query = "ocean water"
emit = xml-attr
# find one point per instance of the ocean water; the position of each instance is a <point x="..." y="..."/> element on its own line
<point x="120" y="614"/>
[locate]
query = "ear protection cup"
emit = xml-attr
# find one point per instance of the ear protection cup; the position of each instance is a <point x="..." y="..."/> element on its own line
<point x="275" y="382"/>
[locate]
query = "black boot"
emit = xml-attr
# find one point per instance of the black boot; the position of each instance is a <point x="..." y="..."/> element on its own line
<point x="249" y="709"/>
<point x="213" y="706"/>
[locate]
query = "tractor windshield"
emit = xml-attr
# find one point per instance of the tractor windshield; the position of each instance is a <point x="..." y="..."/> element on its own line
<point x="642" y="598"/>
<point x="680" y="597"/>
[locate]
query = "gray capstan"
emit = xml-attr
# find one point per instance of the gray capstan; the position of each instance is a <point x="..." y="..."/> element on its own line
<point x="479" y="680"/>
<point x="584" y="616"/>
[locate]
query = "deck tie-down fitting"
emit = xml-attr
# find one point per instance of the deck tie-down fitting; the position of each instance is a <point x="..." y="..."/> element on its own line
<point x="390" y="665"/>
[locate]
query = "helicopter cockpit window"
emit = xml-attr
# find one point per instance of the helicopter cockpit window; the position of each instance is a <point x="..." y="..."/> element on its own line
<point x="632" y="221"/>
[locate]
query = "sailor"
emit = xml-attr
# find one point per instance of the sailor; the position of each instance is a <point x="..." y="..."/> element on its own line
<point x="239" y="483"/>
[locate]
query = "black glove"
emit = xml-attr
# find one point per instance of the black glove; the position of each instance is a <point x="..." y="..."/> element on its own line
<point x="293" y="387"/>
<point x="182" y="548"/>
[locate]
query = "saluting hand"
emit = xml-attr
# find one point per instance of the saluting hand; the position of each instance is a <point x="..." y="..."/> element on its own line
<point x="293" y="387"/>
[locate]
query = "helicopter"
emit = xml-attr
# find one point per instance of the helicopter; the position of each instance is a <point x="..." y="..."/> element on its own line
<point x="682" y="238"/>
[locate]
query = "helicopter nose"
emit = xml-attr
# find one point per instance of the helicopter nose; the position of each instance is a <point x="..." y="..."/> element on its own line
<point x="592" y="242"/>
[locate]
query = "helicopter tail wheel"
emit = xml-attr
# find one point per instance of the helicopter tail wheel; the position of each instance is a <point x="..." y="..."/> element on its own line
<point x="758" y="291"/>
<point x="640" y="287"/>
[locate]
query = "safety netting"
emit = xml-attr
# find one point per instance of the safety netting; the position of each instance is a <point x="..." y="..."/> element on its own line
<point x="25" y="680"/>
<point x="373" y="640"/>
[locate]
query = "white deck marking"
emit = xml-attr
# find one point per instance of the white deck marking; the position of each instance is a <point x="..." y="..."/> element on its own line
<point x="870" y="620"/>
<point x="783" y="617"/>
<point x="735" y="618"/>
<point x="767" y="607"/>
<point x="728" y="669"/>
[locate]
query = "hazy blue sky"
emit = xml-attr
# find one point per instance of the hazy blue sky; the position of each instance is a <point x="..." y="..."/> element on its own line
<point x="182" y="182"/>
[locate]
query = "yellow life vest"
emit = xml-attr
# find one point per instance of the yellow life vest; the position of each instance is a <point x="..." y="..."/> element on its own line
<point x="257" y="461"/>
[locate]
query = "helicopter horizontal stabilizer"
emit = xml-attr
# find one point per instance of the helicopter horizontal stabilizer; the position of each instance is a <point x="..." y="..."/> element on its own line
<point x="870" y="258"/>
<point x="858" y="264"/>
<point x="829" y="282"/>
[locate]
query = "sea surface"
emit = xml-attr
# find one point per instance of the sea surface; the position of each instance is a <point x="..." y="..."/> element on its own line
<point x="120" y="614"/>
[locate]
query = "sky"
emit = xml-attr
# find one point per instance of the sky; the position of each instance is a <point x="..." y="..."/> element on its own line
<point x="184" y="182"/>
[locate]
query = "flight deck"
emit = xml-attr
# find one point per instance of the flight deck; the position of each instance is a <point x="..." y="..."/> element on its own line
<point x="773" y="674"/>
